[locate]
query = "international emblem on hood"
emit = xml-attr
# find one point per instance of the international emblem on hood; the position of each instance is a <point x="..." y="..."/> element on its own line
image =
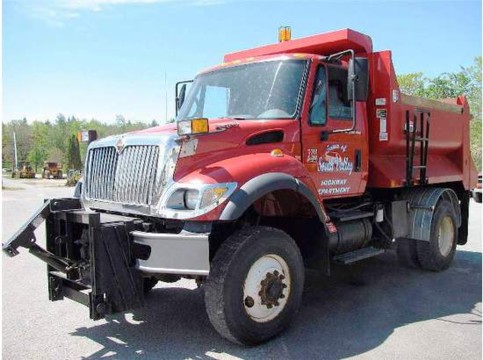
<point x="120" y="145"/>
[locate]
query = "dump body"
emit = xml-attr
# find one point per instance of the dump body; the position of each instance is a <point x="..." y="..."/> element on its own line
<point x="448" y="158"/>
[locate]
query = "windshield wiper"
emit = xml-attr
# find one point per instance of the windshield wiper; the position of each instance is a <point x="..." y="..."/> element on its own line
<point x="238" y="117"/>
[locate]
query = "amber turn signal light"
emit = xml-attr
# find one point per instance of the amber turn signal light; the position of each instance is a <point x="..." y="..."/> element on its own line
<point x="193" y="126"/>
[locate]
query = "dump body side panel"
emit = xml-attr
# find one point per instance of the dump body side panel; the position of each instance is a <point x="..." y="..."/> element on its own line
<point x="449" y="158"/>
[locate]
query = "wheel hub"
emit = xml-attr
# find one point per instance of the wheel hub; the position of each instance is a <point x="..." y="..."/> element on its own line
<point x="272" y="289"/>
<point x="266" y="288"/>
<point x="446" y="235"/>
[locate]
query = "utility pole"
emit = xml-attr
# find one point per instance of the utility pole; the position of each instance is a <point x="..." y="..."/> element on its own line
<point x="15" y="151"/>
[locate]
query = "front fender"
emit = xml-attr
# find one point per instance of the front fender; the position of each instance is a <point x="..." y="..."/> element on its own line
<point x="261" y="185"/>
<point x="256" y="175"/>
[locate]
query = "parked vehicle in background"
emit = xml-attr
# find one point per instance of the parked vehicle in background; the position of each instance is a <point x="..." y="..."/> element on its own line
<point x="298" y="154"/>
<point x="52" y="169"/>
<point x="476" y="192"/>
<point x="26" y="171"/>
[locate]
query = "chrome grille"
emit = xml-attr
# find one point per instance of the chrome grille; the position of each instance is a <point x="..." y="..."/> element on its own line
<point x="131" y="177"/>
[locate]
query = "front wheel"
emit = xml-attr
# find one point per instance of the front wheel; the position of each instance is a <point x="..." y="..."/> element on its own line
<point x="255" y="285"/>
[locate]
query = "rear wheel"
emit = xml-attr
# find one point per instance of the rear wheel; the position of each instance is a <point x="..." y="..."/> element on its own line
<point x="438" y="253"/>
<point x="59" y="174"/>
<point x="255" y="285"/>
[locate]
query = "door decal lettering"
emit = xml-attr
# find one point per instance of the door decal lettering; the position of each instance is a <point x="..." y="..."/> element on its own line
<point x="334" y="160"/>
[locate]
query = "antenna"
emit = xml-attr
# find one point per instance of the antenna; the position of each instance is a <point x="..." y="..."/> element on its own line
<point x="166" y="99"/>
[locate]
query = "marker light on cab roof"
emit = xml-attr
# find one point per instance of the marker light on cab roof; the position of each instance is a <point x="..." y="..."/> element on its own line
<point x="284" y="33"/>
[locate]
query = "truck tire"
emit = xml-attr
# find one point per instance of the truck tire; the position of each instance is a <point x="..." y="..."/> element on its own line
<point x="407" y="254"/>
<point x="255" y="285"/>
<point x="477" y="197"/>
<point x="437" y="253"/>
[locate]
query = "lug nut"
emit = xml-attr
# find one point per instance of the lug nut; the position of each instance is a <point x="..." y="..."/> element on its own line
<point x="249" y="302"/>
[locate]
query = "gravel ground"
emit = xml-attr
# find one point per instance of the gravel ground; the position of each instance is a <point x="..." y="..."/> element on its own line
<point x="396" y="314"/>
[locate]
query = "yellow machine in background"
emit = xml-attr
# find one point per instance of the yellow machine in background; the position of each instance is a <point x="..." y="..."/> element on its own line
<point x="26" y="172"/>
<point x="52" y="169"/>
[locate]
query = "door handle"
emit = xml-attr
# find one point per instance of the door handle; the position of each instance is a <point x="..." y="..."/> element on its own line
<point x="358" y="160"/>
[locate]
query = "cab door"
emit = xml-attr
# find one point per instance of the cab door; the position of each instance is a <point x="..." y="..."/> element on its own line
<point x="336" y="162"/>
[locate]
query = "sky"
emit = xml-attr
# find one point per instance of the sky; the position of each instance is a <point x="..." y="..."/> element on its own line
<point x="102" y="58"/>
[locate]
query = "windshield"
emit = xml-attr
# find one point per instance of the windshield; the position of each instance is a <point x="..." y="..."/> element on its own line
<point x="264" y="90"/>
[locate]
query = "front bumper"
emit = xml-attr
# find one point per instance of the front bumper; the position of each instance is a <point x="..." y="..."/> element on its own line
<point x="184" y="253"/>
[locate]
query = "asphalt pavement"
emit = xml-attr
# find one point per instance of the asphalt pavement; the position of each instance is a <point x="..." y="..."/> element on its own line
<point x="392" y="312"/>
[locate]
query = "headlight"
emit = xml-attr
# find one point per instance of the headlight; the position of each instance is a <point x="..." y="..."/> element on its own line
<point x="183" y="199"/>
<point x="176" y="200"/>
<point x="201" y="199"/>
<point x="191" y="198"/>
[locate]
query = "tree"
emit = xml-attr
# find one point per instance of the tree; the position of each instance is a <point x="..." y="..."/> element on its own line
<point x="23" y="135"/>
<point x="411" y="84"/>
<point x="7" y="147"/>
<point x="55" y="155"/>
<point x="38" y="154"/>
<point x="466" y="82"/>
<point x="73" y="159"/>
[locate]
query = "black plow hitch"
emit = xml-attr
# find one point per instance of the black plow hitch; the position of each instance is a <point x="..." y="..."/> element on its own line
<point x="89" y="256"/>
<point x="25" y="236"/>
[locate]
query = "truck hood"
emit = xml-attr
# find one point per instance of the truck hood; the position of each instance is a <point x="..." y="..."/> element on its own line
<point x="233" y="138"/>
<point x="224" y="134"/>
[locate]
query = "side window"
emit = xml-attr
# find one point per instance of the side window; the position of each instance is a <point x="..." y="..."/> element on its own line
<point x="339" y="104"/>
<point x="216" y="101"/>
<point x="318" y="107"/>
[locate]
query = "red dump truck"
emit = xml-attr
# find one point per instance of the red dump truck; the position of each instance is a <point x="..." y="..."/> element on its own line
<point x="289" y="156"/>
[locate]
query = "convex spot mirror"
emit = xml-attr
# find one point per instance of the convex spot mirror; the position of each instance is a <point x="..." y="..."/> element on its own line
<point x="360" y="72"/>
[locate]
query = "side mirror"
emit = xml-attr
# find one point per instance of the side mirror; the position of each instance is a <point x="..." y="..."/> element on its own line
<point x="180" y="94"/>
<point x="359" y="71"/>
<point x="180" y="100"/>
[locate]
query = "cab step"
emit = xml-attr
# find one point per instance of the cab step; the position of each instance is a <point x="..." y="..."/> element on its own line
<point x="357" y="255"/>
